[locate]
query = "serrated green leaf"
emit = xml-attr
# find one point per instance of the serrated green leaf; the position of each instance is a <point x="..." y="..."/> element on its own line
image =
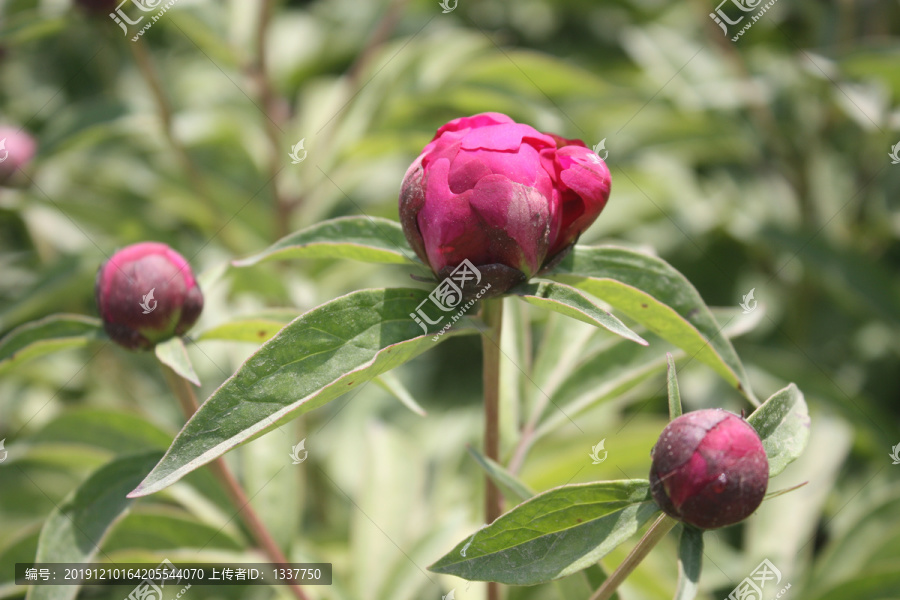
<point x="75" y="529"/>
<point x="690" y="559"/>
<point x="554" y="534"/>
<point x="56" y="332"/>
<point x="316" y="358"/>
<point x="367" y="239"/>
<point x="509" y="484"/>
<point x="173" y="354"/>
<point x="782" y="423"/>
<point x="654" y="294"/>
<point x="568" y="301"/>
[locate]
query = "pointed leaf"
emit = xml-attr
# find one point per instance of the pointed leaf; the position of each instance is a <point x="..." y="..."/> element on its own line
<point x="37" y="338"/>
<point x="316" y="358"/>
<point x="690" y="559"/>
<point x="509" y="484"/>
<point x="392" y="384"/>
<point x="654" y="294"/>
<point x="75" y="529"/>
<point x="672" y="385"/>
<point x="173" y="354"/>
<point x="568" y="301"/>
<point x="783" y="424"/>
<point x="552" y="535"/>
<point x="367" y="239"/>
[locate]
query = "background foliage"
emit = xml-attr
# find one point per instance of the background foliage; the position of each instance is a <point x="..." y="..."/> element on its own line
<point x="758" y="164"/>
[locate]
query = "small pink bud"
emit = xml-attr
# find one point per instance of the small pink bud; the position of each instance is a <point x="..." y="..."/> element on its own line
<point x="17" y="148"/>
<point x="709" y="469"/>
<point x="146" y="293"/>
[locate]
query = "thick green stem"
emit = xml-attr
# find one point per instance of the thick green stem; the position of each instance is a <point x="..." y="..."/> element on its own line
<point x="492" y="313"/>
<point x="657" y="531"/>
<point x="188" y="401"/>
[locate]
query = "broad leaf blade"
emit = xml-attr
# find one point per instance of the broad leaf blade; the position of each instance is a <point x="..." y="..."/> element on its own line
<point x="74" y="530"/>
<point x="654" y="294"/>
<point x="568" y="301"/>
<point x="554" y="534"/>
<point x="509" y="484"/>
<point x="173" y="354"/>
<point x="56" y="332"/>
<point x="367" y="239"/>
<point x="783" y="424"/>
<point x="690" y="559"/>
<point x="318" y="357"/>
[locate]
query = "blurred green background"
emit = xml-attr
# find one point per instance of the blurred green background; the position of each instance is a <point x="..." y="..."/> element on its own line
<point x="761" y="164"/>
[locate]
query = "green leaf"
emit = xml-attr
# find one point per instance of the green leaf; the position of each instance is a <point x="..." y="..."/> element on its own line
<point x="254" y="329"/>
<point x="783" y="424"/>
<point x="173" y="354"/>
<point x="654" y="294"/>
<point x="113" y="431"/>
<point x="56" y="332"/>
<point x="392" y="384"/>
<point x="75" y="529"/>
<point x="568" y="301"/>
<point x="672" y="386"/>
<point x="367" y="239"/>
<point x="318" y="357"/>
<point x="508" y="483"/>
<point x="552" y="535"/>
<point x="690" y="559"/>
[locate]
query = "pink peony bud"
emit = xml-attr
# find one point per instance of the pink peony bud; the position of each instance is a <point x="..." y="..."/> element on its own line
<point x="709" y="469"/>
<point x="146" y="293"/>
<point x="16" y="150"/>
<point x="502" y="195"/>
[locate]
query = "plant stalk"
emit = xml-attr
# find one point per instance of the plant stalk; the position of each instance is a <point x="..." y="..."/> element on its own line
<point x="657" y="531"/>
<point x="188" y="402"/>
<point x="492" y="313"/>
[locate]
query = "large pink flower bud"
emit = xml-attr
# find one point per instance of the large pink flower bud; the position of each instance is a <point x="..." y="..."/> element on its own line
<point x="146" y="293"/>
<point x="502" y="195"/>
<point x="709" y="469"/>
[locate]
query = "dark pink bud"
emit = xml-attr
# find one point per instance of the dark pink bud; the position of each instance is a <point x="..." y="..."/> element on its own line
<point x="146" y="293"/>
<point x="500" y="194"/>
<point x="16" y="151"/>
<point x="709" y="469"/>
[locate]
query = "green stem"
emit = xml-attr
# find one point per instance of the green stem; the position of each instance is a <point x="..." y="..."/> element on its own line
<point x="492" y="313"/>
<point x="188" y="401"/>
<point x="657" y="531"/>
